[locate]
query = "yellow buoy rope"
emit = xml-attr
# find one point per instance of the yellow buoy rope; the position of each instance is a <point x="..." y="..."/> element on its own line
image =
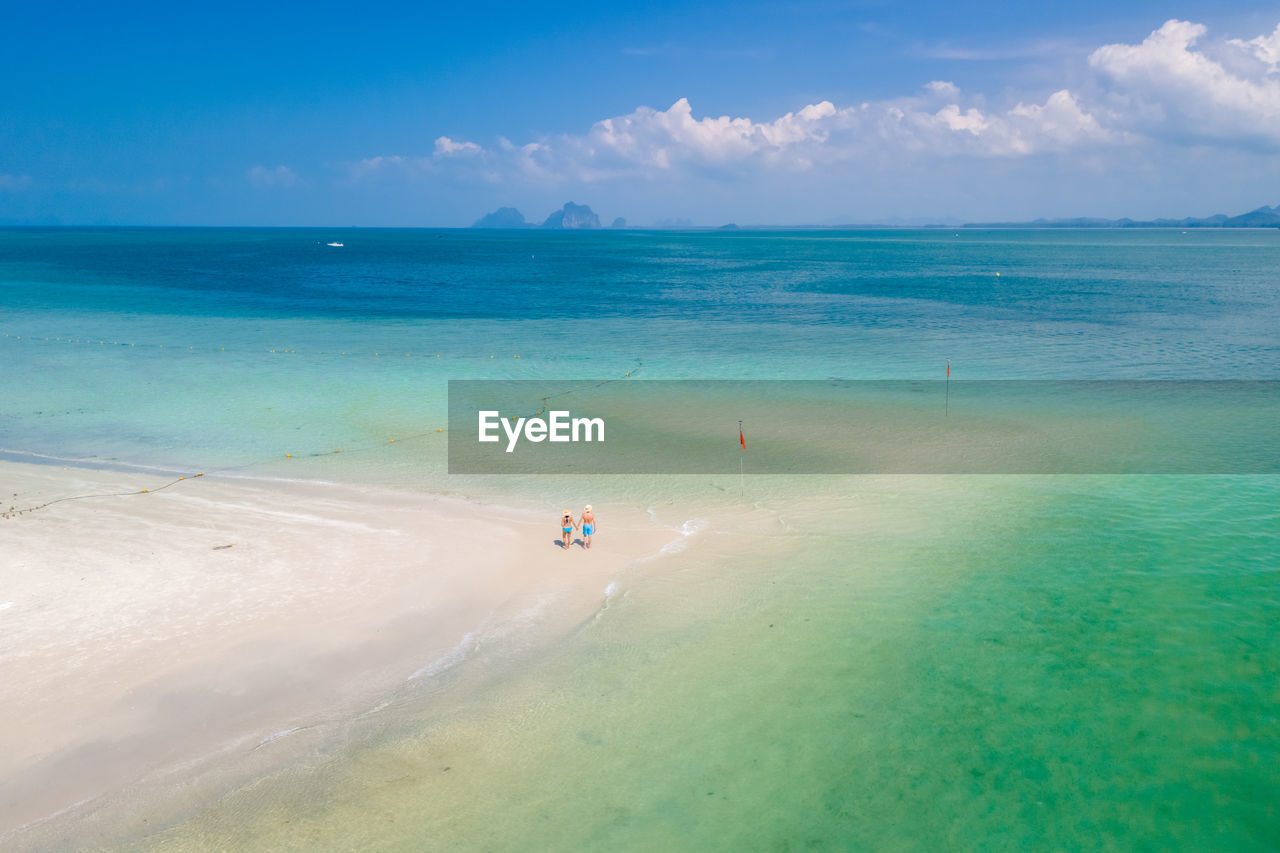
<point x="14" y="512"/>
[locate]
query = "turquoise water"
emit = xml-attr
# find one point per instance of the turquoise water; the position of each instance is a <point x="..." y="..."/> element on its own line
<point x="1085" y="663"/>
<point x="1045" y="662"/>
<point x="204" y="348"/>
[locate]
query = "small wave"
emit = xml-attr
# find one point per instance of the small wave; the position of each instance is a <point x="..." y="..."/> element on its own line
<point x="689" y="529"/>
<point x="279" y="734"/>
<point x="491" y="629"/>
<point x="693" y="525"/>
<point x="450" y="659"/>
<point x="51" y="816"/>
<point x="609" y="592"/>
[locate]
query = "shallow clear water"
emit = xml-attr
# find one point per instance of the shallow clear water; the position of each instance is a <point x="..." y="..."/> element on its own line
<point x="960" y="662"/>
<point x="860" y="662"/>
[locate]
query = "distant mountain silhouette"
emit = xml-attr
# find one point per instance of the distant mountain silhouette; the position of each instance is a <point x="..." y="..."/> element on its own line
<point x="573" y="216"/>
<point x="1263" y="217"/>
<point x="581" y="216"/>
<point x="503" y="217"/>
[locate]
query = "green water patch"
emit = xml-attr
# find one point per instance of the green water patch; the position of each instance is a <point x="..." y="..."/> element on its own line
<point x="1052" y="663"/>
<point x="1104" y="679"/>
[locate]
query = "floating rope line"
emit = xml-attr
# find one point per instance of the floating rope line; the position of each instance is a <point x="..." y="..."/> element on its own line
<point x="630" y="373"/>
<point x="14" y="511"/>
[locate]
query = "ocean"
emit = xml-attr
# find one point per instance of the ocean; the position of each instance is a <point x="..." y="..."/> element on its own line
<point x="1041" y="661"/>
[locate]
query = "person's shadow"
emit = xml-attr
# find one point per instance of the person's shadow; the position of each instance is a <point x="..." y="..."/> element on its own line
<point x="559" y="543"/>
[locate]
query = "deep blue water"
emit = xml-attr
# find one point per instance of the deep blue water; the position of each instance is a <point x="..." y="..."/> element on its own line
<point x="814" y="278"/>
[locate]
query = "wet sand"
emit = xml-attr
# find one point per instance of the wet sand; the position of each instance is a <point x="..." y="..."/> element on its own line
<point x="136" y="646"/>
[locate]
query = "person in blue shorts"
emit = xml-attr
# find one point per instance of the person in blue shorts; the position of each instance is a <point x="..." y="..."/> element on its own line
<point x="567" y="525"/>
<point x="588" y="526"/>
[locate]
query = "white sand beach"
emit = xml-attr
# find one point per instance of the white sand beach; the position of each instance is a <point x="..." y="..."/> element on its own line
<point x="155" y="634"/>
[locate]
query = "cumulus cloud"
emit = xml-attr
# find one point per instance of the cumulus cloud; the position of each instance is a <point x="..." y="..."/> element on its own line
<point x="265" y="178"/>
<point x="1266" y="49"/>
<point x="662" y="138"/>
<point x="446" y="147"/>
<point x="1164" y="90"/>
<point x="942" y="88"/>
<point x="1165" y="87"/>
<point x="655" y="143"/>
<point x="1058" y="123"/>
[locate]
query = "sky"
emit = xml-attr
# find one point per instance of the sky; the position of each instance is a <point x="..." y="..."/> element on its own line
<point x="808" y="112"/>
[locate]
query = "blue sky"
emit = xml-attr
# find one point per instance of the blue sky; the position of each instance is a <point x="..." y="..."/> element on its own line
<point x="426" y="114"/>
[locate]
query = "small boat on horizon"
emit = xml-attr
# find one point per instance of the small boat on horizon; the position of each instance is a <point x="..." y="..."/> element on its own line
<point x="339" y="245"/>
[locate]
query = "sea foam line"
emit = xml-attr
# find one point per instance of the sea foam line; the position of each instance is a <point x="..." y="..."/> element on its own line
<point x="279" y="734"/>
<point x="449" y="659"/>
<point x="689" y="529"/>
<point x="30" y="825"/>
<point x="490" y="629"/>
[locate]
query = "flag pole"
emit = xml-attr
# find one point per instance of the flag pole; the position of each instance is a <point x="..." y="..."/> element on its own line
<point x="947" y="410"/>
<point x="742" y="464"/>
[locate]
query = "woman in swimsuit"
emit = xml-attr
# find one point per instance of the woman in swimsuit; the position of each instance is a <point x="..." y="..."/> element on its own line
<point x="566" y="525"/>
<point x="588" y="526"/>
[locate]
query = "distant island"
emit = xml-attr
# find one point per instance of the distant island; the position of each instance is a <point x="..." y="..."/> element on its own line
<point x="1263" y="217"/>
<point x="581" y="217"/>
<point x="571" y="216"/>
<point x="503" y="217"/>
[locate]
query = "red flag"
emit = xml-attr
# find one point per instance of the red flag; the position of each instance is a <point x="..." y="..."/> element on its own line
<point x="948" y="370"/>
<point x="742" y="438"/>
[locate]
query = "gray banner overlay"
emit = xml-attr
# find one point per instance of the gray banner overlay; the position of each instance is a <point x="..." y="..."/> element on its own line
<point x="865" y="427"/>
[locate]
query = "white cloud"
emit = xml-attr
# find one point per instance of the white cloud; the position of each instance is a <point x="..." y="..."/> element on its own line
<point x="446" y="147"/>
<point x="942" y="88"/>
<point x="663" y="138"/>
<point x="650" y="143"/>
<point x="970" y="121"/>
<point x="1164" y="91"/>
<point x="1059" y="123"/>
<point x="265" y="178"/>
<point x="1264" y="48"/>
<point x="464" y="159"/>
<point x="1164" y="87"/>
